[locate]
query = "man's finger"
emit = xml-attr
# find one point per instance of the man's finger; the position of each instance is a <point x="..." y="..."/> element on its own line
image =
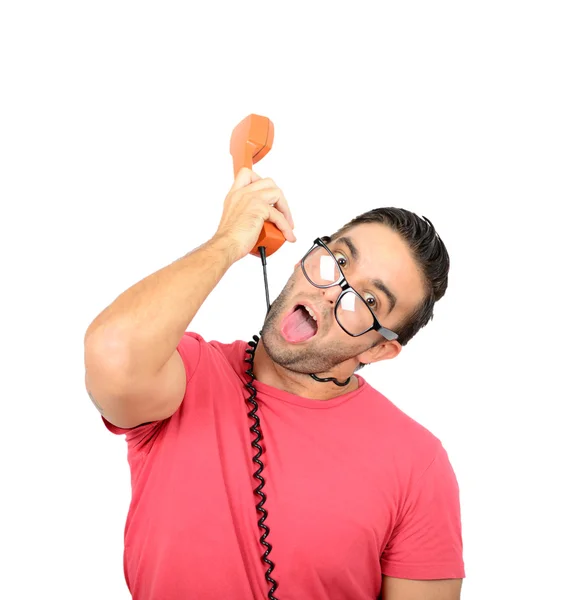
<point x="243" y="178"/>
<point x="275" y="197"/>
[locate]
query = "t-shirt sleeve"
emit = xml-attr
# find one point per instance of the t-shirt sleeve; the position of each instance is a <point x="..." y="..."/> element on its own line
<point x="189" y="348"/>
<point x="426" y="541"/>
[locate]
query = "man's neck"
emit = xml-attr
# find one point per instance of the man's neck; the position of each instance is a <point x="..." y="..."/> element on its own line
<point x="300" y="384"/>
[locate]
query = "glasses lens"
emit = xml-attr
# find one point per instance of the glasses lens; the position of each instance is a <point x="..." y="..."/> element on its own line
<point x="353" y="314"/>
<point x="320" y="267"/>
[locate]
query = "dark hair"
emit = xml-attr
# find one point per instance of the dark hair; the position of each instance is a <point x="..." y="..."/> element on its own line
<point x="427" y="249"/>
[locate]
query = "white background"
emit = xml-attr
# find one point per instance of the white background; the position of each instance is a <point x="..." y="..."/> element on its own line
<point x="114" y="138"/>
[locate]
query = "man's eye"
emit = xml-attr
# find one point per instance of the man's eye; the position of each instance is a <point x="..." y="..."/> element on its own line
<point x="371" y="301"/>
<point x="340" y="259"/>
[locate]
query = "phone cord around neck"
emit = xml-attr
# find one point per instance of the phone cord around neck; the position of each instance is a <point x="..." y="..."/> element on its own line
<point x="327" y="379"/>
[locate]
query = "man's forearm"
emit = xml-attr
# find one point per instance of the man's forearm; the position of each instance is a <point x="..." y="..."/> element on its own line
<point x="141" y="329"/>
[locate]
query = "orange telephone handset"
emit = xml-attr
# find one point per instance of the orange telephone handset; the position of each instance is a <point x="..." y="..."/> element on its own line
<point x="251" y="140"/>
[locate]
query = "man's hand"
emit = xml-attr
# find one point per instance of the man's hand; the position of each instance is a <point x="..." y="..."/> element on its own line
<point x="411" y="589"/>
<point x="250" y="202"/>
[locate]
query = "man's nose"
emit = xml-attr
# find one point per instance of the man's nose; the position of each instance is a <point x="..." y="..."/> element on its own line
<point x="331" y="294"/>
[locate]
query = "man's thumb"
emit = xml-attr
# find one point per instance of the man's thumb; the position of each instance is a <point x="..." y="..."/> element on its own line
<point x="244" y="177"/>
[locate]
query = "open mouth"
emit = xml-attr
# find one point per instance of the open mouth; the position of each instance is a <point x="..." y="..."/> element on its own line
<point x="299" y="325"/>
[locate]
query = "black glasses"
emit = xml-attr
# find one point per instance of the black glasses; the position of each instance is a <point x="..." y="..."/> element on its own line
<point x="352" y="312"/>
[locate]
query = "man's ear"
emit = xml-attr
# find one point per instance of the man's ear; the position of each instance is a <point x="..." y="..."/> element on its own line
<point x="384" y="351"/>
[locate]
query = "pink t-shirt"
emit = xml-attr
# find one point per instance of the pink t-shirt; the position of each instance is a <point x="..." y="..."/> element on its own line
<point x="355" y="489"/>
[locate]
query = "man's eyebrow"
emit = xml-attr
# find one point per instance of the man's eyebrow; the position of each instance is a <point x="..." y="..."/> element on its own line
<point x="384" y="288"/>
<point x="350" y="245"/>
<point x="378" y="283"/>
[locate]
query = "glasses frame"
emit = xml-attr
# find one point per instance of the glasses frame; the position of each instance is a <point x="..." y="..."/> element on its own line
<point x="345" y="288"/>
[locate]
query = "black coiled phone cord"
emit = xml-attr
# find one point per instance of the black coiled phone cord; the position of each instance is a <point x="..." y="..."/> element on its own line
<point x="255" y="443"/>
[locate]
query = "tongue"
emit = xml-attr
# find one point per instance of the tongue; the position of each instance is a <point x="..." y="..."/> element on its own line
<point x="299" y="326"/>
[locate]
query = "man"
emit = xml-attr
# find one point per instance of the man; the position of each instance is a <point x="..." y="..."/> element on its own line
<point x="359" y="501"/>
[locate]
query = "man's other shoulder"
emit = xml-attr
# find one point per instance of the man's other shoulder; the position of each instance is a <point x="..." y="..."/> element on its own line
<point x="401" y="428"/>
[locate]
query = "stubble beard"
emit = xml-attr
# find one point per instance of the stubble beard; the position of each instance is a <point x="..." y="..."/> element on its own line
<point x="312" y="357"/>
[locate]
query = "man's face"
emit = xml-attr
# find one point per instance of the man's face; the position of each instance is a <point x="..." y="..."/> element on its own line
<point x="382" y="260"/>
